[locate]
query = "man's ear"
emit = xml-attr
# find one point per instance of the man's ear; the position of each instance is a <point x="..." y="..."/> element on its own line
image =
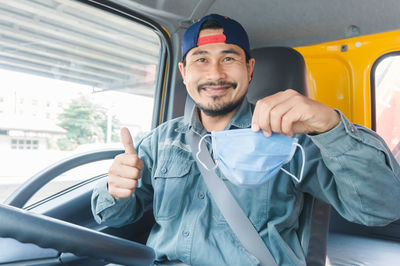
<point x="182" y="70"/>
<point x="250" y="68"/>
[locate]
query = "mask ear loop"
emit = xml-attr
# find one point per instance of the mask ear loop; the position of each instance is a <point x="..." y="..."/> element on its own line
<point x="198" y="153"/>
<point x="303" y="155"/>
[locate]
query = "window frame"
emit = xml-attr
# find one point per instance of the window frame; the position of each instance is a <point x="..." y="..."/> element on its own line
<point x="373" y="88"/>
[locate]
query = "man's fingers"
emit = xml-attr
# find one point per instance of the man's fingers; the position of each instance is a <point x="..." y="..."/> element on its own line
<point x="130" y="160"/>
<point x="288" y="122"/>
<point x="276" y="116"/>
<point x="277" y="113"/>
<point x="260" y="118"/>
<point x="125" y="171"/>
<point x="262" y="112"/>
<point x="120" y="193"/>
<point x="254" y="123"/>
<point x="127" y="141"/>
<point x="121" y="182"/>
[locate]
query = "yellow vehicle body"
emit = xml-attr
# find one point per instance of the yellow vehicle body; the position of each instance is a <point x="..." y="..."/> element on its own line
<point x="339" y="72"/>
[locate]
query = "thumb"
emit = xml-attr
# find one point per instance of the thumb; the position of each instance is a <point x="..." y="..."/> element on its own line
<point x="127" y="141"/>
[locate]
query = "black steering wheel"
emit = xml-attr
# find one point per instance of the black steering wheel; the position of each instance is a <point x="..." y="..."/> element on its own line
<point x="48" y="232"/>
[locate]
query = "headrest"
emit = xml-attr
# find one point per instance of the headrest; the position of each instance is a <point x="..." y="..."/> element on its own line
<point x="277" y="69"/>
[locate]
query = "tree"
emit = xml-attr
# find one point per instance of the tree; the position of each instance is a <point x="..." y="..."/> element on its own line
<point x="84" y="122"/>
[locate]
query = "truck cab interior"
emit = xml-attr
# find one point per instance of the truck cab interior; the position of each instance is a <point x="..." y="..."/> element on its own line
<point x="337" y="52"/>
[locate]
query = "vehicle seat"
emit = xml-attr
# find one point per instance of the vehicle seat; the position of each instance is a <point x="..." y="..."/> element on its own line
<point x="355" y="244"/>
<point x="277" y="69"/>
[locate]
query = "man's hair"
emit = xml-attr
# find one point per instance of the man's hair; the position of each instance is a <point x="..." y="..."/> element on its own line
<point x="211" y="24"/>
<point x="214" y="25"/>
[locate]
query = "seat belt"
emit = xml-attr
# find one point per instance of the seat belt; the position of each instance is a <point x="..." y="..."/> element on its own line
<point x="317" y="245"/>
<point x="230" y="209"/>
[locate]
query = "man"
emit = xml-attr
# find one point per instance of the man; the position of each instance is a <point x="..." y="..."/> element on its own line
<point x="346" y="165"/>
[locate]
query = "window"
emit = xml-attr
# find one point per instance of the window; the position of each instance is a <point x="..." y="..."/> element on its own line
<point x="21" y="144"/>
<point x="75" y="75"/>
<point x="387" y="101"/>
<point x="24" y="144"/>
<point x="35" y="144"/>
<point x="13" y="144"/>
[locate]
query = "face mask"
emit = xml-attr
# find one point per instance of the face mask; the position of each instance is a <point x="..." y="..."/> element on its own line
<point x="249" y="159"/>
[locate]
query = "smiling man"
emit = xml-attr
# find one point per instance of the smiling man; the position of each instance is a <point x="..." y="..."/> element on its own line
<point x="347" y="165"/>
<point x="216" y="76"/>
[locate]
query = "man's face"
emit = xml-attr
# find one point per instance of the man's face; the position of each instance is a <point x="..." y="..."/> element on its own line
<point x="216" y="75"/>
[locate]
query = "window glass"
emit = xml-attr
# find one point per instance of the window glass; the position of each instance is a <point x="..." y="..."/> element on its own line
<point x="71" y="77"/>
<point x="387" y="102"/>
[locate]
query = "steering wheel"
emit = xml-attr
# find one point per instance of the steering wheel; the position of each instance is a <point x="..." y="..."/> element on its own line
<point x="36" y="182"/>
<point x="48" y="232"/>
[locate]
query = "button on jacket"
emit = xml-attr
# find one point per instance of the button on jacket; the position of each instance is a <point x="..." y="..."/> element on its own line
<point x="349" y="166"/>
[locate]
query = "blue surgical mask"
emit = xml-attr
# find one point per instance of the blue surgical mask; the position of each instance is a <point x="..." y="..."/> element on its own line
<point x="249" y="159"/>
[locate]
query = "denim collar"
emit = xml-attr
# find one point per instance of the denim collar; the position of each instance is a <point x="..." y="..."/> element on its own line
<point x="241" y="119"/>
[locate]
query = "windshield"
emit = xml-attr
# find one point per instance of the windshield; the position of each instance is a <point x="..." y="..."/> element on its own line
<point x="72" y="76"/>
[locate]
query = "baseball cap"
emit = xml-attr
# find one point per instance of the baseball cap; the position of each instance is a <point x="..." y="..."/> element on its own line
<point x="234" y="33"/>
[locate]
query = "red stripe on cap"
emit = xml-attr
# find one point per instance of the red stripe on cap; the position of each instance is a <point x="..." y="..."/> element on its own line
<point x="211" y="39"/>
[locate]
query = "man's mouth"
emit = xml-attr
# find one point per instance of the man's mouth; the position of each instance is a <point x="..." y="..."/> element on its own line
<point x="216" y="88"/>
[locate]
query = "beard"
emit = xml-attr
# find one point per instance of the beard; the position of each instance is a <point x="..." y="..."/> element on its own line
<point x="214" y="108"/>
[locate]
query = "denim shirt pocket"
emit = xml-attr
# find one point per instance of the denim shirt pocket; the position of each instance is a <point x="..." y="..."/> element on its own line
<point x="170" y="180"/>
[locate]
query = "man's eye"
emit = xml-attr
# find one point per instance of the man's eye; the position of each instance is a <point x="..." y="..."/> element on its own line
<point x="201" y="60"/>
<point x="227" y="59"/>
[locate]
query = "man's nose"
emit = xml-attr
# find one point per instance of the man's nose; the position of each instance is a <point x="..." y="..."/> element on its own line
<point x="216" y="71"/>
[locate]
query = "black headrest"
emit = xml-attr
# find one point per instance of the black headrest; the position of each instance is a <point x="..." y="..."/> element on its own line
<point x="277" y="69"/>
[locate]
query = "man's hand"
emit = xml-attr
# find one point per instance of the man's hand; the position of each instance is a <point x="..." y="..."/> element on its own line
<point x="290" y="113"/>
<point x="124" y="173"/>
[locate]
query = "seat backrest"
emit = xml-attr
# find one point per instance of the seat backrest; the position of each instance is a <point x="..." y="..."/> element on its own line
<point x="277" y="69"/>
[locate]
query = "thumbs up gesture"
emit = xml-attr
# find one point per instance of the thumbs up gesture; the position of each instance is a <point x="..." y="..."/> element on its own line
<point x="124" y="172"/>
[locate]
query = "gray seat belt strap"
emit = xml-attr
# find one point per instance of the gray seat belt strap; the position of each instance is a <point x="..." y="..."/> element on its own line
<point x="317" y="245"/>
<point x="230" y="209"/>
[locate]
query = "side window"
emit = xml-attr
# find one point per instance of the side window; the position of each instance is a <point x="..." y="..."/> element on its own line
<point x="71" y="76"/>
<point x="387" y="101"/>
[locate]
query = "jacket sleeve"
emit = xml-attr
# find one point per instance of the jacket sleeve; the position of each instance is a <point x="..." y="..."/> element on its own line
<point x="114" y="212"/>
<point x="351" y="168"/>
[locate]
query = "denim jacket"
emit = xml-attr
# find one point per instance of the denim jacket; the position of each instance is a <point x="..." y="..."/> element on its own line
<point x="350" y="167"/>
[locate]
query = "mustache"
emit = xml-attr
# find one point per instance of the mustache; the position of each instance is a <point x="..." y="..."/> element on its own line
<point x="217" y="83"/>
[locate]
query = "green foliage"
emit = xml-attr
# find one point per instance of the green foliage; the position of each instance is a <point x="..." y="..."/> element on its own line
<point x="85" y="123"/>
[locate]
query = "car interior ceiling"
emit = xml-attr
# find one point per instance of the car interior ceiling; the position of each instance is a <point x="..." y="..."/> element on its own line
<point x="282" y="23"/>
